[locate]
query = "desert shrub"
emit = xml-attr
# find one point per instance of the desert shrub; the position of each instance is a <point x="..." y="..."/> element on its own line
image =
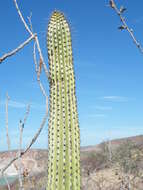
<point x="94" y="161"/>
<point x="106" y="150"/>
<point x="128" y="156"/>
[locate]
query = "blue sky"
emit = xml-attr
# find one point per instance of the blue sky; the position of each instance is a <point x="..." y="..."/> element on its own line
<point x="108" y="69"/>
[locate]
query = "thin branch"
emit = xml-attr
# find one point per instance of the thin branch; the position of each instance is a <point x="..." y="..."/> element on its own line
<point x="37" y="71"/>
<point x="37" y="134"/>
<point x="32" y="141"/>
<point x="7" y="133"/>
<point x="125" y="26"/>
<point x="45" y="68"/>
<point x="19" y="158"/>
<point x="7" y="136"/>
<point x="9" y="164"/>
<point x="30" y="22"/>
<point x="32" y="37"/>
<point x="41" y="57"/>
<point x="34" y="57"/>
<point x="36" y="38"/>
<point x="13" y="52"/>
<point x="22" y="18"/>
<point x="21" y="127"/>
<point x="26" y="115"/>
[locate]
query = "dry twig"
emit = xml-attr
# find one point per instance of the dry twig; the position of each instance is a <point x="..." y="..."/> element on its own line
<point x="22" y="18"/>
<point x="19" y="159"/>
<point x="32" y="36"/>
<point x="7" y="133"/>
<point x="30" y="22"/>
<point x="21" y="46"/>
<point x="124" y="26"/>
<point x="21" y="127"/>
<point x="7" y="136"/>
<point x="26" y="115"/>
<point x="37" y="71"/>
<point x="36" y="38"/>
<point x="31" y="142"/>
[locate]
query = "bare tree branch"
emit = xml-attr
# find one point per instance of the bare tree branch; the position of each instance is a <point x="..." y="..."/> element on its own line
<point x="41" y="57"/>
<point x="37" y="71"/>
<point x="29" y="146"/>
<point x="7" y="133"/>
<point x="32" y="37"/>
<point x="19" y="158"/>
<point x="21" y="46"/>
<point x="21" y="127"/>
<point x="7" y="136"/>
<point x="22" y="18"/>
<point x="36" y="38"/>
<point x="30" y="22"/>
<point x="31" y="142"/>
<point x="37" y="134"/>
<point x="36" y="44"/>
<point x="26" y="115"/>
<point x="119" y="12"/>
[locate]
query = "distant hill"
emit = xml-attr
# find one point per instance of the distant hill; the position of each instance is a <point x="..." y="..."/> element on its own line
<point x="34" y="162"/>
<point x="35" y="159"/>
<point x="138" y="140"/>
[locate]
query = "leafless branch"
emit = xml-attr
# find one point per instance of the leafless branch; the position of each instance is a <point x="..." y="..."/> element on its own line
<point x="38" y="78"/>
<point x="31" y="142"/>
<point x="41" y="57"/>
<point x="19" y="159"/>
<point x="21" y="127"/>
<point x="36" y="38"/>
<point x="38" y="132"/>
<point x="7" y="133"/>
<point x="124" y="26"/>
<point x="30" y="22"/>
<point x="26" y="115"/>
<point x="21" y="46"/>
<point x="22" y="18"/>
<point x="34" y="57"/>
<point x="41" y="63"/>
<point x="37" y="71"/>
<point x="32" y="37"/>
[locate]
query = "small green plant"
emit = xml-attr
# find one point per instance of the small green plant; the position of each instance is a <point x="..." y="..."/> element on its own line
<point x="64" y="136"/>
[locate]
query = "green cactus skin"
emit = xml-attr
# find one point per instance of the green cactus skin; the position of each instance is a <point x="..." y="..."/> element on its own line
<point x="64" y="134"/>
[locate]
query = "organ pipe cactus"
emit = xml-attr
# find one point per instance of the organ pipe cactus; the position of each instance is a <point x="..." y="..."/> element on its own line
<point x="64" y="136"/>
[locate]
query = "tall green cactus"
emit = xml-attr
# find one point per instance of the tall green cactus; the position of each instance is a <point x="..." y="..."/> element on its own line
<point x="64" y="136"/>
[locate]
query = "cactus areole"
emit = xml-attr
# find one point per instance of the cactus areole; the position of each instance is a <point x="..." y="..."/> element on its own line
<point x="64" y="136"/>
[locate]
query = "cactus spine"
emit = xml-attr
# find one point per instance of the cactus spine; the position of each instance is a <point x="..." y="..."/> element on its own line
<point x="64" y="136"/>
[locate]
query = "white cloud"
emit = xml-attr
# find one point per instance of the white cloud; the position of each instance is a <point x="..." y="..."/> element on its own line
<point x="103" y="108"/>
<point x="17" y="104"/>
<point x="14" y="104"/>
<point x="115" y="98"/>
<point x="97" y="115"/>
